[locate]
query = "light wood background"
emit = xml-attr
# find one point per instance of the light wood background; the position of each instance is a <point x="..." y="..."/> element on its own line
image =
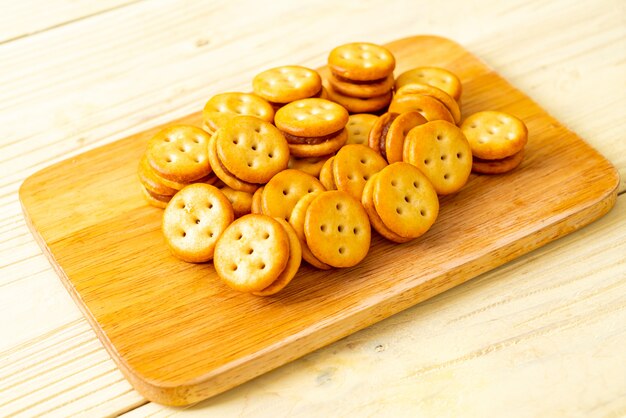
<point x="544" y="335"/>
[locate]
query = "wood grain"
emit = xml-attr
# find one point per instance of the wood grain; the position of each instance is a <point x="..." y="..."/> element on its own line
<point x="180" y="336"/>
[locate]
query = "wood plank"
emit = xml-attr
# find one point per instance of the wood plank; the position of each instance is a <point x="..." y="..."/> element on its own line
<point x="164" y="333"/>
<point x="20" y="19"/>
<point x="76" y="110"/>
<point x="540" y="336"/>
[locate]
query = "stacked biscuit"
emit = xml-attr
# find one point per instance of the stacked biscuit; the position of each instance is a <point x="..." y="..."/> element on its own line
<point x="176" y="157"/>
<point x="497" y="140"/>
<point x="308" y="177"/>
<point x="360" y="76"/>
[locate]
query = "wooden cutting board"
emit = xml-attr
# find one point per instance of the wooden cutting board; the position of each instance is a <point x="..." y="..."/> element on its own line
<point x="180" y="335"/>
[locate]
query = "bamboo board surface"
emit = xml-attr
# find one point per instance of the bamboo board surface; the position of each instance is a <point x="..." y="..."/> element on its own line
<point x="179" y="335"/>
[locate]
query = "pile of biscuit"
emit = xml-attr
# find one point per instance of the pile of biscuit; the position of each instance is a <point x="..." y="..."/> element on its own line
<point x="299" y="170"/>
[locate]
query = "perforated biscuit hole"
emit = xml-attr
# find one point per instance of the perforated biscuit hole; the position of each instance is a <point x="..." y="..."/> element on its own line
<point x="262" y="266"/>
<point x="257" y="130"/>
<point x="416" y="184"/>
<point x="350" y="177"/>
<point x="366" y="177"/>
<point x="250" y="251"/>
<point x="427" y="161"/>
<point x="198" y="160"/>
<point x="168" y="160"/>
<point x="363" y="160"/>
<point x="209" y="205"/>
<point x="309" y="190"/>
<point x="491" y="131"/>
<point x="285" y="192"/>
<point x="399" y="210"/>
<point x="235" y="141"/>
<point x="166" y="139"/>
<point x="340" y="228"/>
<point x="197" y="221"/>
<point x="266" y="235"/>
<point x="233" y="267"/>
<point x="443" y="157"/>
<point x="250" y="164"/>
<point x="239" y="236"/>
<point x="423" y="212"/>
<point x="339" y="206"/>
<point x="407" y="199"/>
<point x="254" y="147"/>
<point x="270" y="155"/>
<point x="459" y="155"/>
<point x="323" y="228"/>
<point x="184" y="234"/>
<point x="446" y="176"/>
<point x="182" y="205"/>
<point x="439" y="138"/>
<point x="473" y="126"/>
<point x="210" y="234"/>
<point x="342" y="250"/>
<point x="394" y="183"/>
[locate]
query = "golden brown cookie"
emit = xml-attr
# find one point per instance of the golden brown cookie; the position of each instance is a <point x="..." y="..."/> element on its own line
<point x="359" y="105"/>
<point x="326" y="175"/>
<point x="284" y="190"/>
<point x="494" y="135"/>
<point x="361" y="61"/>
<point x="405" y="200"/>
<point x="150" y="181"/>
<point x="252" y="150"/>
<point x="256" y="201"/>
<point x="500" y="166"/>
<point x="293" y="263"/>
<point x="440" y="151"/>
<point x="193" y="221"/>
<point x="434" y="76"/>
<point x="179" y="153"/>
<point x="223" y="107"/>
<point x="337" y="229"/>
<point x="310" y="165"/>
<point x="353" y="165"/>
<point x="397" y="132"/>
<point x="296" y="220"/>
<point x="311" y="118"/>
<point x="287" y="83"/>
<point x="252" y="253"/>
<point x="359" y="126"/>
<point x="434" y="92"/>
<point x="378" y="133"/>
<point x="241" y="201"/>
<point x="427" y="106"/>
<point x="367" y="200"/>
<point x="222" y="173"/>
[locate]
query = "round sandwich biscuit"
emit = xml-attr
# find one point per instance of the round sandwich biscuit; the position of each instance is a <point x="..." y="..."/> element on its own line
<point x="440" y="151"/>
<point x="434" y="76"/>
<point x="303" y="148"/>
<point x="252" y="150"/>
<point x="337" y="229"/>
<point x="284" y="190"/>
<point x="296" y="220"/>
<point x="152" y="182"/>
<point x="326" y="174"/>
<point x="311" y="118"/>
<point x="179" y="153"/>
<point x="221" y="108"/>
<point x="293" y="263"/>
<point x="361" y="89"/>
<point x="353" y="166"/>
<point x="361" y="61"/>
<point x="222" y="173"/>
<point x="193" y="221"/>
<point x="405" y="200"/>
<point x="287" y="83"/>
<point x="367" y="200"/>
<point x="252" y="253"/>
<point x="494" y="135"/>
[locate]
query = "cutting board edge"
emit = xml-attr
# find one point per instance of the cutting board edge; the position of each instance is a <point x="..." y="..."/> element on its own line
<point x="237" y="372"/>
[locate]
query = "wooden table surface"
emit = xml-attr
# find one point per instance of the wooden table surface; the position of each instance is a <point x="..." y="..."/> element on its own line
<point x="544" y="335"/>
